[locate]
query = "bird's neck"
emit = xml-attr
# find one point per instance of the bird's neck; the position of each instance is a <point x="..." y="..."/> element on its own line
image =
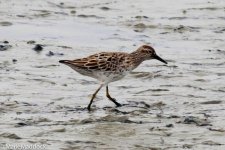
<point x="136" y="58"/>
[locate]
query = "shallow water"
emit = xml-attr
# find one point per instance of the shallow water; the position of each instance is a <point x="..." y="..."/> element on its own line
<point x="178" y="106"/>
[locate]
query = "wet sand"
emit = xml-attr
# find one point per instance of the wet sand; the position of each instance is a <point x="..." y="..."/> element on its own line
<point x="173" y="107"/>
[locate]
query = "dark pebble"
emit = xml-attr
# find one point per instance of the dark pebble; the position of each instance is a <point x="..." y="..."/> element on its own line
<point x="21" y="124"/>
<point x="50" y="53"/>
<point x="14" y="60"/>
<point x="173" y="116"/>
<point x="189" y="120"/>
<point x="104" y="8"/>
<point x="22" y="16"/>
<point x="5" y="23"/>
<point x="184" y="11"/>
<point x="6" y="42"/>
<point x="18" y="113"/>
<point x="187" y="146"/>
<point x="169" y="125"/>
<point x="197" y="121"/>
<point x="139" y="17"/>
<point x="164" y="32"/>
<point x="1" y="47"/>
<point x="72" y="11"/>
<point x="4" y="47"/>
<point x="145" y="104"/>
<point x="38" y="48"/>
<point x="31" y="42"/>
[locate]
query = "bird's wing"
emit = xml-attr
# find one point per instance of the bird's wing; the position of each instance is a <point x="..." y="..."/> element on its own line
<point x="102" y="61"/>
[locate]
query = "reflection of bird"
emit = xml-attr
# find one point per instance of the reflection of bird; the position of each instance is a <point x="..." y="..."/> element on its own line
<point x="111" y="66"/>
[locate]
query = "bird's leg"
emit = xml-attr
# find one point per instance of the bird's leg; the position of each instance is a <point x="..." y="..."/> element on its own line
<point x="110" y="98"/>
<point x="93" y="97"/>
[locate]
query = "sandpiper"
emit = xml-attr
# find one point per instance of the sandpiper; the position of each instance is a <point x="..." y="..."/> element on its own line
<point x="108" y="67"/>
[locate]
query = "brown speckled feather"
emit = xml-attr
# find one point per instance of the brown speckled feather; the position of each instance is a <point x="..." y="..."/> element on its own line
<point x="104" y="61"/>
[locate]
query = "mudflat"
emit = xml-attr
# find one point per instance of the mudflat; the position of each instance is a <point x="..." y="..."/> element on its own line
<point x="176" y="106"/>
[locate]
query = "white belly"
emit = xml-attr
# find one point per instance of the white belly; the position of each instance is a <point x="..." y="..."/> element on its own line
<point x="107" y="77"/>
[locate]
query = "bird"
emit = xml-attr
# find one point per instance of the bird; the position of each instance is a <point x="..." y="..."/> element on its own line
<point x="108" y="67"/>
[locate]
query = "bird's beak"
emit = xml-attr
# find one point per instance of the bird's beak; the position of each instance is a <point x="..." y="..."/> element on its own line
<point x="160" y="59"/>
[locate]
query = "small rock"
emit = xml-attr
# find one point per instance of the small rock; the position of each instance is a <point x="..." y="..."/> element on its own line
<point x="140" y="25"/>
<point x="173" y="116"/>
<point x="104" y="8"/>
<point x="6" y="42"/>
<point x="184" y="11"/>
<point x="195" y="120"/>
<point x="22" y="16"/>
<point x="67" y="47"/>
<point x="20" y="124"/>
<point x="164" y="32"/>
<point x="88" y="16"/>
<point x="31" y="42"/>
<point x="4" y="47"/>
<point x="38" y="48"/>
<point x="59" y="130"/>
<point x="139" y="17"/>
<point x="18" y="113"/>
<point x="14" y="60"/>
<point x="5" y="23"/>
<point x="50" y="53"/>
<point x="218" y="130"/>
<point x="10" y="136"/>
<point x="169" y="125"/>
<point x="72" y="11"/>
<point x="187" y="146"/>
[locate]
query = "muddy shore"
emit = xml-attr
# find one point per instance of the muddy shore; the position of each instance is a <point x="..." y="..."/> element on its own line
<point x="165" y="107"/>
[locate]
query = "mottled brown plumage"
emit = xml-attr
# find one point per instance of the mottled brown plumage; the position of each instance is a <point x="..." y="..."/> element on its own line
<point x="111" y="66"/>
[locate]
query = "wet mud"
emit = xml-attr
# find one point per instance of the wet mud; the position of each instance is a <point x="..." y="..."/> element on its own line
<point x="164" y="107"/>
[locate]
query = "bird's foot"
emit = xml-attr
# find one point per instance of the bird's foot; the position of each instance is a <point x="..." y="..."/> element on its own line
<point x="118" y="104"/>
<point x="89" y="108"/>
<point x="115" y="102"/>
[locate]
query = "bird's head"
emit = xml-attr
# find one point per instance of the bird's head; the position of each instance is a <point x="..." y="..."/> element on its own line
<point x="148" y="52"/>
